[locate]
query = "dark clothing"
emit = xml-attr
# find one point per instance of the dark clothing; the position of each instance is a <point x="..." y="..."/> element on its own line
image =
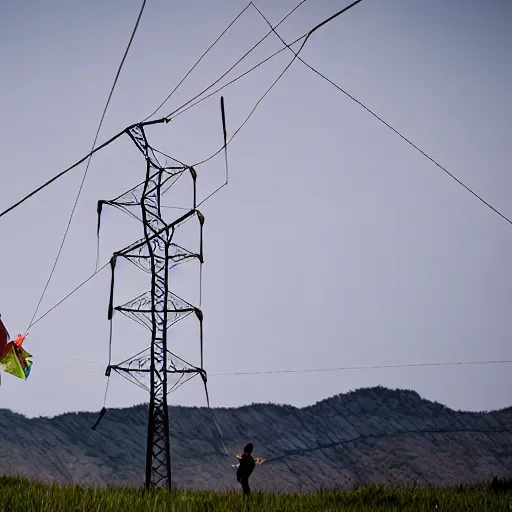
<point x="246" y="467"/>
<point x="244" y="481"/>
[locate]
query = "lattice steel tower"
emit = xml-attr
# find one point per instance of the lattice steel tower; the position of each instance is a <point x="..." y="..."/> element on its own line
<point x="158" y="308"/>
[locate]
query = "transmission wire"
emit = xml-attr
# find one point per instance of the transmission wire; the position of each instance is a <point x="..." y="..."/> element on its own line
<point x="347" y="368"/>
<point x="181" y="110"/>
<point x="147" y="123"/>
<point x="495" y="210"/>
<point x="198" y="61"/>
<point x="385" y="123"/>
<point x="168" y="117"/>
<point x="374" y="367"/>
<point x="296" y="55"/>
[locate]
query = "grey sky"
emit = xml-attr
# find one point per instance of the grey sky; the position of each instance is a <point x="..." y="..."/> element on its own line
<point x="335" y="244"/>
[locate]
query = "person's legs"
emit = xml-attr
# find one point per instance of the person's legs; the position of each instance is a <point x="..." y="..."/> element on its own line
<point x="245" y="485"/>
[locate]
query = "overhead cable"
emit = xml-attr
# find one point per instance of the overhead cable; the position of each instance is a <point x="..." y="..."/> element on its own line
<point x="198" y="61"/>
<point x="163" y="119"/>
<point x="495" y="210"/>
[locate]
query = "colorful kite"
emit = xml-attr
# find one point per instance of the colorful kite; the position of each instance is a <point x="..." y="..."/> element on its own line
<point x="14" y="359"/>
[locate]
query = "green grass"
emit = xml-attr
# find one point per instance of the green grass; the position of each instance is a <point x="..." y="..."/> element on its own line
<point x="20" y="495"/>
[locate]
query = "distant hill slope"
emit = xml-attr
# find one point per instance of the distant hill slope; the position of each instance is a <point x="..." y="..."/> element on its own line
<point x="374" y="435"/>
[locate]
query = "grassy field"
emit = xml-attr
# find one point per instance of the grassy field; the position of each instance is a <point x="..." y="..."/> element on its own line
<point x="20" y="495"/>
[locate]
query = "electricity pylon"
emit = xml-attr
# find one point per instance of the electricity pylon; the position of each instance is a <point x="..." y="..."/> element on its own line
<point x="158" y="308"/>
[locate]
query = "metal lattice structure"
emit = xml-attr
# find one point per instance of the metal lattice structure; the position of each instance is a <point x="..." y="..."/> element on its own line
<point x="158" y="308"/>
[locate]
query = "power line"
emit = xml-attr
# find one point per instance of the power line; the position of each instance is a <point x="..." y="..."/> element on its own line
<point x="410" y="143"/>
<point x="60" y="174"/>
<point x="373" y="367"/>
<point x="159" y="121"/>
<point x="296" y="55"/>
<point x="224" y="147"/>
<point x="181" y="110"/>
<point x="198" y="61"/>
<point x="172" y="114"/>
<point x="178" y="112"/>
<point x="349" y="368"/>
<point x="145" y="123"/>
<point x="267" y="91"/>
<point x="257" y="103"/>
<point x="89" y="162"/>
<point x="386" y="123"/>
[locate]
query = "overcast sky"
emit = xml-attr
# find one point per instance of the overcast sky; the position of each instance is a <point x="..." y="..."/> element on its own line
<point x="335" y="244"/>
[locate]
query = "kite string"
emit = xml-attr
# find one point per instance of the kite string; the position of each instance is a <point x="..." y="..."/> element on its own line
<point x="69" y="294"/>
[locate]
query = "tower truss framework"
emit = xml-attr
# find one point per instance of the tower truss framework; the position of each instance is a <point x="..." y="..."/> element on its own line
<point x="156" y="368"/>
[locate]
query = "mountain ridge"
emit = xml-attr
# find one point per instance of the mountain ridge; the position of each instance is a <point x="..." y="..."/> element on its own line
<point x="382" y="389"/>
<point x="369" y="435"/>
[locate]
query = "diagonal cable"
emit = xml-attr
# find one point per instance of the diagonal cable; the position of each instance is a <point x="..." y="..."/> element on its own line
<point x="198" y="61"/>
<point x="88" y="163"/>
<point x="387" y="124"/>
<point x="295" y="56"/>
<point x="173" y="113"/>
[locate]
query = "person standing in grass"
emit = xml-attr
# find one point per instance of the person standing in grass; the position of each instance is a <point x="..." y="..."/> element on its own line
<point x="245" y="468"/>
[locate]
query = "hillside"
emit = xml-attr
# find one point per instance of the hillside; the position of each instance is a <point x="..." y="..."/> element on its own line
<point x="374" y="435"/>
